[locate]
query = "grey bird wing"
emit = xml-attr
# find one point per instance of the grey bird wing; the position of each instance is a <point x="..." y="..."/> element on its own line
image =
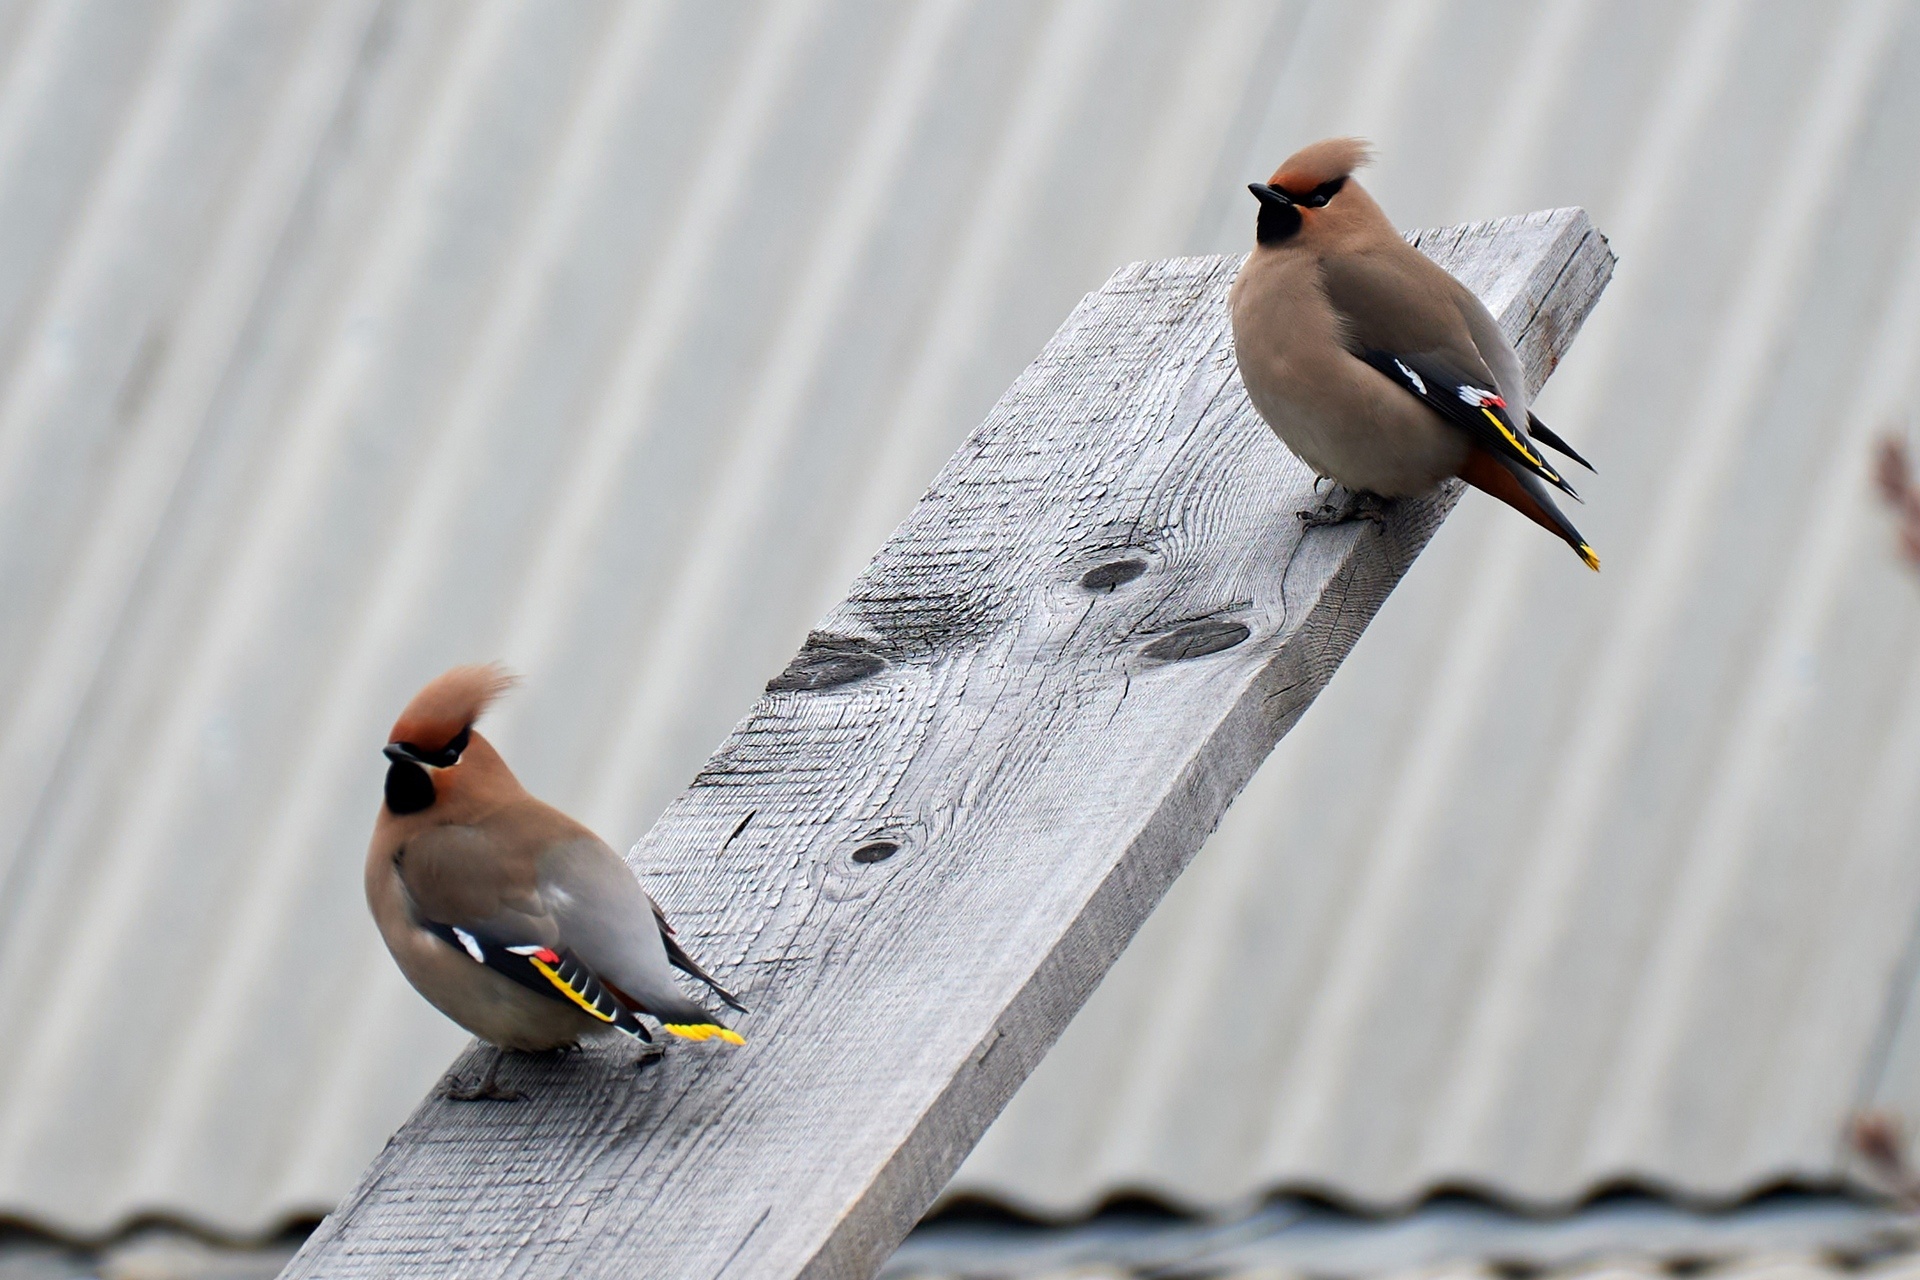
<point x="1504" y="362"/>
<point x="1495" y="351"/>
<point x="1471" y="405"/>
<point x="607" y="920"/>
<point x="470" y="876"/>
<point x="1417" y="325"/>
<point x="1394" y="298"/>
<point x="553" y="974"/>
<point x="479" y="898"/>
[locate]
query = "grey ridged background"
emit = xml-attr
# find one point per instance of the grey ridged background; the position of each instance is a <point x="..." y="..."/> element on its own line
<point x="341" y="340"/>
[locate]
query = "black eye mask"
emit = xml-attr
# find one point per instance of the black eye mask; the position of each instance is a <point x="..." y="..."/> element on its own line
<point x="445" y="758"/>
<point x="1280" y="211"/>
<point x="1318" y="197"/>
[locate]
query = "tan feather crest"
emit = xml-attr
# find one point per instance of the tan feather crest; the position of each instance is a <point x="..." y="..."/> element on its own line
<point x="450" y="702"/>
<point x="1321" y="162"/>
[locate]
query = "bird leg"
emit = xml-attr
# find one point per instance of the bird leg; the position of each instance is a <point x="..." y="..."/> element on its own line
<point x="1358" y="504"/>
<point x="648" y="1056"/>
<point x="488" y="1089"/>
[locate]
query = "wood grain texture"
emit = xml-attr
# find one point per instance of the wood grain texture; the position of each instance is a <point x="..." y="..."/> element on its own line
<point x="1042" y="694"/>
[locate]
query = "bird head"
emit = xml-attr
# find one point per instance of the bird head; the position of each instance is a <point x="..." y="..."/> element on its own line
<point x="435" y="734"/>
<point x="1302" y="191"/>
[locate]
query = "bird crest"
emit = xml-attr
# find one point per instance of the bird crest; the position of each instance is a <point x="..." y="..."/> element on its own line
<point x="452" y="701"/>
<point x="1320" y="163"/>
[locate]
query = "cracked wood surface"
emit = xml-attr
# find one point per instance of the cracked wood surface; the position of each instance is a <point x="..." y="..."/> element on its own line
<point x="920" y="851"/>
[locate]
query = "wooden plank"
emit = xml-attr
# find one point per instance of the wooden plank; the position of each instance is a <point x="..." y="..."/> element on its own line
<point x="924" y="846"/>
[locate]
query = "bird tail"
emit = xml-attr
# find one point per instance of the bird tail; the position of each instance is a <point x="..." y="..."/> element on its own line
<point x="1539" y="431"/>
<point x="678" y="957"/>
<point x="687" y="1020"/>
<point x="690" y="1022"/>
<point x="707" y="1029"/>
<point x="1527" y="495"/>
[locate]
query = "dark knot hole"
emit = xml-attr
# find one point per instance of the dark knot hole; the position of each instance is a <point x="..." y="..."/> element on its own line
<point x="875" y="851"/>
<point x="1106" y="577"/>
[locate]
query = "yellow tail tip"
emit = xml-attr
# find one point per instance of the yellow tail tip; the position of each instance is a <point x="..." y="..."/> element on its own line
<point x="704" y="1031"/>
<point x="1588" y="557"/>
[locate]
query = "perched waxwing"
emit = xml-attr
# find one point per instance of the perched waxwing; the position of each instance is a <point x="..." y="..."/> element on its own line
<point x="510" y="917"/>
<point x="1370" y="362"/>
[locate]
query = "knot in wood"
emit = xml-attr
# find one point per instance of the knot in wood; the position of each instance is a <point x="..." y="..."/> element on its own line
<point x="826" y="661"/>
<point x="1197" y="640"/>
<point x="1105" y="577"/>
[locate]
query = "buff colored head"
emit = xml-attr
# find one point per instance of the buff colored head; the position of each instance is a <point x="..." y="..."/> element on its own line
<point x="1303" y="191"/>
<point x="434" y="737"/>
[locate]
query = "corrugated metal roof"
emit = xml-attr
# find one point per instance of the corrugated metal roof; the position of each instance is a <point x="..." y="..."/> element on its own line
<point x="343" y="340"/>
<point x="1805" y="1237"/>
<point x="1802" y="1237"/>
<point x="1788" y="1267"/>
<point x="1786" y="1235"/>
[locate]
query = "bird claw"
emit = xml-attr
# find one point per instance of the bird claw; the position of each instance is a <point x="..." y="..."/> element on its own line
<point x="648" y="1056"/>
<point x="1357" y="505"/>
<point x="485" y="1091"/>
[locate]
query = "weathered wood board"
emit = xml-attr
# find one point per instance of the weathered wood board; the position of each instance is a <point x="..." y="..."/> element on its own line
<point x="925" y="845"/>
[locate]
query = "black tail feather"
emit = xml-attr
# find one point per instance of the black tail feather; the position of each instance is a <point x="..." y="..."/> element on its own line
<point x="1539" y="431"/>
<point x="680" y="960"/>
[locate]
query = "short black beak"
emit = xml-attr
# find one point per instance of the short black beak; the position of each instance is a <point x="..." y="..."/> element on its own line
<point x="1269" y="195"/>
<point x="400" y="752"/>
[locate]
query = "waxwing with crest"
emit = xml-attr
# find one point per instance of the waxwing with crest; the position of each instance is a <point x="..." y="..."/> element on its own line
<point x="1375" y="366"/>
<point x="507" y="915"/>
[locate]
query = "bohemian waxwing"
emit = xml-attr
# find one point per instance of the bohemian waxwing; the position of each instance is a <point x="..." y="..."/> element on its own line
<point x="510" y="917"/>
<point x="1370" y="362"/>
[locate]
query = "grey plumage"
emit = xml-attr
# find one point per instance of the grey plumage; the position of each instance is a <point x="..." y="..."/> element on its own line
<point x="510" y="917"/>
<point x="1375" y="366"/>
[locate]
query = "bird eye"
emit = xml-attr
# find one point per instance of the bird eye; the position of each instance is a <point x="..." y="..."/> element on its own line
<point x="1318" y="197"/>
<point x="449" y="755"/>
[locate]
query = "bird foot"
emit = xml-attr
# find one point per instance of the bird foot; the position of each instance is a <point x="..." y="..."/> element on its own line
<point x="648" y="1056"/>
<point x="484" y="1091"/>
<point x="488" y="1089"/>
<point x="1356" y="505"/>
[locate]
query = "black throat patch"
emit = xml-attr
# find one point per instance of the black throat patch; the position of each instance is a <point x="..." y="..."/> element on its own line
<point x="409" y="788"/>
<point x="1278" y="222"/>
